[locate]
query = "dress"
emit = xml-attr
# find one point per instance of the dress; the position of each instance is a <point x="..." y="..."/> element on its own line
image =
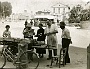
<point x="41" y="37"/>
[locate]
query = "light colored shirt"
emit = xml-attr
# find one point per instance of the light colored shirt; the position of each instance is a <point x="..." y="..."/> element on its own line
<point x="7" y="34"/>
<point x="65" y="33"/>
<point x="51" y="29"/>
<point x="52" y="38"/>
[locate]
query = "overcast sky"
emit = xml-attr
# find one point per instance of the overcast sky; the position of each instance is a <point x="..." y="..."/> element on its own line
<point x="35" y="5"/>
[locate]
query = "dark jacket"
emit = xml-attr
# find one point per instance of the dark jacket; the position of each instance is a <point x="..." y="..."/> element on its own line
<point x="40" y="35"/>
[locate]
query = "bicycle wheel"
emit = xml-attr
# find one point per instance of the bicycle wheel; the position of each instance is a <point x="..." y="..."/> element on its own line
<point x="29" y="59"/>
<point x="2" y="60"/>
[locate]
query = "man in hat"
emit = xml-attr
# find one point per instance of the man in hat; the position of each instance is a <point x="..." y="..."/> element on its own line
<point x="28" y="34"/>
<point x="66" y="40"/>
<point x="28" y="31"/>
<point x="50" y="32"/>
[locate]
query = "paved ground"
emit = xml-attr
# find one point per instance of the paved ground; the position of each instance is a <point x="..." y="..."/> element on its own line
<point x="78" y="60"/>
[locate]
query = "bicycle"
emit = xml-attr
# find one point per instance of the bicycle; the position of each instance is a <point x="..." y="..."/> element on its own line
<point x="26" y="58"/>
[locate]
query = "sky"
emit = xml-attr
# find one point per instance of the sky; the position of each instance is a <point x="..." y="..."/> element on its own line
<point x="37" y="5"/>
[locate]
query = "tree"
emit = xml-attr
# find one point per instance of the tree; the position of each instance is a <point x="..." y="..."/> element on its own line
<point x="6" y="9"/>
<point x="75" y="12"/>
<point x="0" y="10"/>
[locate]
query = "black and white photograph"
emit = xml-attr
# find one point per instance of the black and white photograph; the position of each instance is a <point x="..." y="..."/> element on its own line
<point x="44" y="34"/>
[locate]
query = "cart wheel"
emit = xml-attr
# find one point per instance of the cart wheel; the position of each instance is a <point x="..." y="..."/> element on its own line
<point x="2" y="60"/>
<point x="29" y="60"/>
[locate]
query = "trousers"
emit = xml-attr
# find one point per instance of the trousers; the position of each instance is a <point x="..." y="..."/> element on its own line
<point x="65" y="44"/>
<point x="54" y="52"/>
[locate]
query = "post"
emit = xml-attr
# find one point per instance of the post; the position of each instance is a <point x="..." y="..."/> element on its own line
<point x="53" y="9"/>
<point x="63" y="13"/>
<point x="88" y="57"/>
<point x="59" y="10"/>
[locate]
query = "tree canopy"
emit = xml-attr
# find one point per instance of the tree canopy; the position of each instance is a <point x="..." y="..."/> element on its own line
<point x="75" y="14"/>
<point x="5" y="9"/>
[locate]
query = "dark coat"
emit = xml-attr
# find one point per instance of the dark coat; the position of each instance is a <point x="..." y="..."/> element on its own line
<point x="40" y="35"/>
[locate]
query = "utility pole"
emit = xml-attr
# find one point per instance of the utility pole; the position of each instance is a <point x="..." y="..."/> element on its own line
<point x="64" y="14"/>
<point x="3" y="13"/>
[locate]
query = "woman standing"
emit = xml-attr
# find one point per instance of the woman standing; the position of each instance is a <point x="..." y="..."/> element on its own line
<point x="7" y="33"/>
<point x="41" y="38"/>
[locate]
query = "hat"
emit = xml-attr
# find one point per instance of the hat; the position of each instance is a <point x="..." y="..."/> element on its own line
<point x="28" y="25"/>
<point x="62" y="24"/>
<point x="7" y="26"/>
<point x="40" y="24"/>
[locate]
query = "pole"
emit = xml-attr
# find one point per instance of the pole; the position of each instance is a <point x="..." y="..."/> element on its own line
<point x="54" y="10"/>
<point x="3" y="13"/>
<point x="64" y="14"/>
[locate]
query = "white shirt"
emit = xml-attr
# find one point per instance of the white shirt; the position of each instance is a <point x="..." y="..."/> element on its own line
<point x="51" y="29"/>
<point x="65" y="33"/>
<point x="7" y="34"/>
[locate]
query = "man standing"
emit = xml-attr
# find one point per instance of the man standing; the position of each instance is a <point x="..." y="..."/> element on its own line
<point x="50" y="32"/>
<point x="66" y="40"/>
<point x="28" y="34"/>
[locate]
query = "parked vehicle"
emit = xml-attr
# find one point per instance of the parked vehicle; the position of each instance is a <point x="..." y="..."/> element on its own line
<point x="42" y="19"/>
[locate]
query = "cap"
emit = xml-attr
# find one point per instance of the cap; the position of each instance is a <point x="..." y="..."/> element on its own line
<point x="62" y="24"/>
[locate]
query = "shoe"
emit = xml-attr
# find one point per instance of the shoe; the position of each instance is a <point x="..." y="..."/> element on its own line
<point x="68" y="61"/>
<point x="41" y="56"/>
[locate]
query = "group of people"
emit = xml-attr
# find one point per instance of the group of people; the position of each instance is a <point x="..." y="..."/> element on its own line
<point x="50" y="31"/>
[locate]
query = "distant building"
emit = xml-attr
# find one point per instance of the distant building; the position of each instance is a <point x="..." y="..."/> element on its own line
<point x="43" y="13"/>
<point x="61" y="11"/>
<point x="21" y="16"/>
